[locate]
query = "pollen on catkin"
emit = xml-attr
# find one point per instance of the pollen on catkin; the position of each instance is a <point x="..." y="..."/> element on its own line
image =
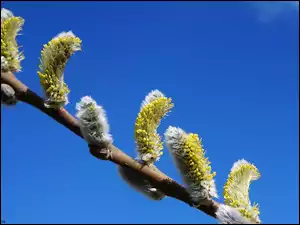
<point x="189" y="157"/>
<point x="11" y="57"/>
<point x="148" y="141"/>
<point x="236" y="189"/>
<point x="93" y="122"/>
<point x="54" y="57"/>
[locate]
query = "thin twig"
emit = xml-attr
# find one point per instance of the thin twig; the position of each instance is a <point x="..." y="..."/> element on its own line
<point x="167" y="185"/>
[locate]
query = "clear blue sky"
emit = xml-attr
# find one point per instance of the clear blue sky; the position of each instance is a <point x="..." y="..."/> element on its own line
<point x="231" y="69"/>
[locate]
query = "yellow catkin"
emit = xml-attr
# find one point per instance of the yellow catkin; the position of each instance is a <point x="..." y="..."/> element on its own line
<point x="147" y="139"/>
<point x="189" y="157"/>
<point x="199" y="168"/>
<point x="54" y="57"/>
<point x="236" y="189"/>
<point x="10" y="27"/>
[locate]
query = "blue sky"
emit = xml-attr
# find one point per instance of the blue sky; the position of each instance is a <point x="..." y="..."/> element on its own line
<point x="232" y="75"/>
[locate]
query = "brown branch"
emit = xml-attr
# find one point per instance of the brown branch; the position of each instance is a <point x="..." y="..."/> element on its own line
<point x="170" y="187"/>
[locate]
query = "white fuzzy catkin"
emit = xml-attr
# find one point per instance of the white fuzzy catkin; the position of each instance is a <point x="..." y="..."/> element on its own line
<point x="93" y="122"/>
<point x="65" y="34"/>
<point x="152" y="96"/>
<point x="5" y="14"/>
<point x="228" y="215"/>
<point x="139" y="183"/>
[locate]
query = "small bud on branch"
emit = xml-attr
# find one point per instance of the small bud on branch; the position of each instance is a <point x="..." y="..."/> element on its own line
<point x="8" y="95"/>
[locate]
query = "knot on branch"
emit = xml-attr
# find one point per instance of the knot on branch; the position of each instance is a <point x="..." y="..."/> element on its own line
<point x="102" y="152"/>
<point x="8" y="95"/>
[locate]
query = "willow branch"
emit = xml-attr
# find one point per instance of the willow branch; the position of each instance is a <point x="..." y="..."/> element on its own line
<point x="167" y="185"/>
